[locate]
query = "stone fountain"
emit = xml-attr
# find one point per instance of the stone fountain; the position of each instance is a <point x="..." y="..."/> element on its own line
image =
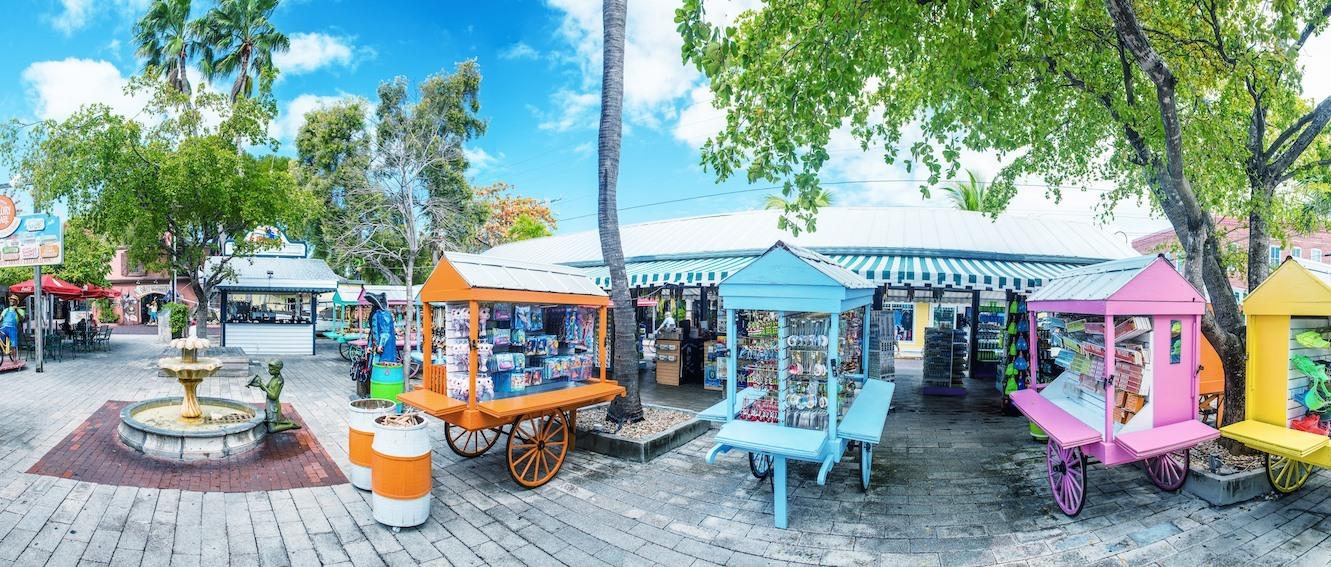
<point x="189" y="428"/>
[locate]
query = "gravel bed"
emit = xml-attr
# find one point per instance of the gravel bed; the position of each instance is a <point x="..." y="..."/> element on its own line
<point x="655" y="420"/>
<point x="1229" y="463"/>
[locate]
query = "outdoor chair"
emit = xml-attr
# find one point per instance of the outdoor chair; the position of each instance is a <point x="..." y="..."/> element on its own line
<point x="103" y="338"/>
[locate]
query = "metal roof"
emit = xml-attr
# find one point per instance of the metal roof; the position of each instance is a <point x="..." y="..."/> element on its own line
<point x="840" y="230"/>
<point x="498" y="273"/>
<point x="288" y="274"/>
<point x="395" y="294"/>
<point x="1321" y="270"/>
<point x="1092" y="283"/>
<point x="827" y="266"/>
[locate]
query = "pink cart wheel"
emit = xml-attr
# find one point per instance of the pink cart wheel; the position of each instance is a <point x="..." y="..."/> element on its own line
<point x="1067" y="477"/>
<point x="1168" y="471"/>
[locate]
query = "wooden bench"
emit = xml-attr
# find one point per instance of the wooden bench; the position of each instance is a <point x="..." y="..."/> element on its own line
<point x="868" y="413"/>
<point x="779" y="442"/>
<point x="1064" y="428"/>
<point x="1165" y="439"/>
<point x="1274" y="438"/>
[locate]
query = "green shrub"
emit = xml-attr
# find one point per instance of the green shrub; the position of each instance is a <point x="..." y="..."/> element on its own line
<point x="179" y="318"/>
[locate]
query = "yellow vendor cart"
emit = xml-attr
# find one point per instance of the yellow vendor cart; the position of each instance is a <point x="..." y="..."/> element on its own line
<point x="512" y="349"/>
<point x="1288" y="395"/>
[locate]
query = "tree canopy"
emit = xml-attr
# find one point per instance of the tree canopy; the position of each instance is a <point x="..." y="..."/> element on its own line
<point x="1194" y="106"/>
<point x="169" y="189"/>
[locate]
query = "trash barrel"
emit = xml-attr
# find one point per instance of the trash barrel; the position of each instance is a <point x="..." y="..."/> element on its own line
<point x="401" y="470"/>
<point x="360" y="430"/>
<point x="387" y="380"/>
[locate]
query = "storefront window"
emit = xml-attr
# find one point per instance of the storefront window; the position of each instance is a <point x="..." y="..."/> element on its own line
<point x="271" y="308"/>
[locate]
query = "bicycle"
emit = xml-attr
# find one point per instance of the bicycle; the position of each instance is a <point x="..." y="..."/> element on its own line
<point x="8" y="349"/>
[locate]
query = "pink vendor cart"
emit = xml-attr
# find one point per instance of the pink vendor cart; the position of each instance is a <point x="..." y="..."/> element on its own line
<point x="1124" y="335"/>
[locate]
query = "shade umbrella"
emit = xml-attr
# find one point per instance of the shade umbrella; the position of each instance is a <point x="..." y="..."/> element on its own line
<point x="50" y="285"/>
<point x="94" y="291"/>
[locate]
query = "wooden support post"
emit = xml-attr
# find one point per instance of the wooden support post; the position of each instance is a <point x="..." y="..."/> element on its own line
<point x="473" y="353"/>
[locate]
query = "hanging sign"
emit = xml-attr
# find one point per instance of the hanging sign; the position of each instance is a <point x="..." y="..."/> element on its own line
<point x="648" y="301"/>
<point x="29" y="240"/>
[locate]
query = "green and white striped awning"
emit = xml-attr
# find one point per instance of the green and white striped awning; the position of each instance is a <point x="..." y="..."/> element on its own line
<point x="890" y="270"/>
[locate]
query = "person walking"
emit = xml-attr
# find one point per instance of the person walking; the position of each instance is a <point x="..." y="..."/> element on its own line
<point x="9" y="321"/>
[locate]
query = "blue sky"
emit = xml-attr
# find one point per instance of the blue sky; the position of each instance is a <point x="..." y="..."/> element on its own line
<point x="540" y="94"/>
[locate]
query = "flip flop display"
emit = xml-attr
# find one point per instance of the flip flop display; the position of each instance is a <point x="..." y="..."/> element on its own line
<point x="1312" y="339"/>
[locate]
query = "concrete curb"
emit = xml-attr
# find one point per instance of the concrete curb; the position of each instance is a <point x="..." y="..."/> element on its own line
<point x="1223" y="490"/>
<point x="642" y="450"/>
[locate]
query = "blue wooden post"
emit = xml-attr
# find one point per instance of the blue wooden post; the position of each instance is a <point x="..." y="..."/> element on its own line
<point x="782" y="362"/>
<point x="834" y="337"/>
<point x="732" y="359"/>
<point x="779" y="490"/>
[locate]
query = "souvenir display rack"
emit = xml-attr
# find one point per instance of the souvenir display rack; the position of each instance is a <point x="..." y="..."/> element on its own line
<point x="797" y="387"/>
<point x="1131" y="330"/>
<point x="990" y="337"/>
<point x="944" y="361"/>
<point x="1289" y="391"/>
<point x="512" y="349"/>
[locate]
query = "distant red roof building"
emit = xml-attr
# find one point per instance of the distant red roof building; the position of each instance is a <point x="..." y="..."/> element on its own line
<point x="1315" y="247"/>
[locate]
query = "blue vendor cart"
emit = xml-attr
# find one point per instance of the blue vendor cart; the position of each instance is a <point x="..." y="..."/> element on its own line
<point x="796" y="385"/>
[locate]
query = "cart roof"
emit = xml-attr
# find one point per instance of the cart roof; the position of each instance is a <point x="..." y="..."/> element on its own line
<point x="1296" y="287"/>
<point x="460" y="276"/>
<point x="1145" y="285"/>
<point x="790" y="278"/>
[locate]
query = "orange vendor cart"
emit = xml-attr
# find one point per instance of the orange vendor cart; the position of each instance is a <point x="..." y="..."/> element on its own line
<point x="512" y="349"/>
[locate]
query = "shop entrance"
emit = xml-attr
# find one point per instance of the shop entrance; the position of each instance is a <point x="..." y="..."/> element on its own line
<point x="148" y="306"/>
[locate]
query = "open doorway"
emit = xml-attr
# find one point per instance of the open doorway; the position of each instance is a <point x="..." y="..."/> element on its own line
<point x="148" y="306"/>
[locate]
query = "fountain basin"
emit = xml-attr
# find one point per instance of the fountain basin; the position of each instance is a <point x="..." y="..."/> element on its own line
<point x="227" y="427"/>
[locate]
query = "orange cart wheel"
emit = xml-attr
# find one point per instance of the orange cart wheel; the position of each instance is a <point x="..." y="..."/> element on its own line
<point x="470" y="443"/>
<point x="537" y="447"/>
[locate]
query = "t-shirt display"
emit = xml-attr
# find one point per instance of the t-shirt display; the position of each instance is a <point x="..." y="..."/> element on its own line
<point x="520" y="348"/>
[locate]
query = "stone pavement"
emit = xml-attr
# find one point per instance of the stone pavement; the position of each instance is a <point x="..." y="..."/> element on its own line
<point x="954" y="484"/>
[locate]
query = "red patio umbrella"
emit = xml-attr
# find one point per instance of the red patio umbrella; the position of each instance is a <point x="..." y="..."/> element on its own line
<point x="50" y="285"/>
<point x="94" y="291"/>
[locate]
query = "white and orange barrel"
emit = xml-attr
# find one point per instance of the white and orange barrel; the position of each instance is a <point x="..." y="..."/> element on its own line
<point x="401" y="471"/>
<point x="360" y="430"/>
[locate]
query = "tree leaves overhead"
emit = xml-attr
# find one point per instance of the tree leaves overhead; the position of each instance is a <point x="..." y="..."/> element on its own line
<point x="237" y="39"/>
<point x="1042" y="85"/>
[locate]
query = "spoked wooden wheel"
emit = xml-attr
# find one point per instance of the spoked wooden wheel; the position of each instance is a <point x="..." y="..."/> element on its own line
<point x="1067" y="477"/>
<point x="1168" y="471"/>
<point x="760" y="465"/>
<point x="470" y="443"/>
<point x="537" y="447"/>
<point x="1286" y="475"/>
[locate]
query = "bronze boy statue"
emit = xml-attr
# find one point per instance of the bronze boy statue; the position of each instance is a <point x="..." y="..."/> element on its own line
<point x="273" y="391"/>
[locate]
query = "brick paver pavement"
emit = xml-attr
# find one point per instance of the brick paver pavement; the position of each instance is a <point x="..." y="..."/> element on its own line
<point x="954" y="484"/>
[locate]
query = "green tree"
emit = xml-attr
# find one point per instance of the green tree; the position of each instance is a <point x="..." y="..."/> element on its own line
<point x="393" y="219"/>
<point x="526" y="227"/>
<point x="333" y="153"/>
<point x="165" y="41"/>
<point x="87" y="255"/>
<point x="812" y="200"/>
<point x="237" y="39"/>
<point x="968" y="195"/>
<point x="511" y="217"/>
<point x="170" y="192"/>
<point x="626" y="408"/>
<point x="1074" y="93"/>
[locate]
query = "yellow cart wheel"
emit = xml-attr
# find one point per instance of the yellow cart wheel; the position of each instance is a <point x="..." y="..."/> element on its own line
<point x="1286" y="475"/>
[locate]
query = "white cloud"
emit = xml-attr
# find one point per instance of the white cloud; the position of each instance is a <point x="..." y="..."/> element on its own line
<point x="290" y="119"/>
<point x="699" y="120"/>
<point x="655" y="80"/>
<point x="479" y="160"/>
<point x="73" y="15"/>
<point x="584" y="149"/>
<point x="572" y="110"/>
<point x="1313" y="58"/>
<point x="313" y="51"/>
<point x="519" y="50"/>
<point x="60" y="88"/>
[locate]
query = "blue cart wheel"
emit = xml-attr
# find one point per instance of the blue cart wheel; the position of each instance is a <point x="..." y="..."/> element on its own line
<point x="760" y="465"/>
<point x="866" y="464"/>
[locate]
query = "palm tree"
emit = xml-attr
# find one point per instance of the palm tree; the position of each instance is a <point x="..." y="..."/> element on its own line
<point x="238" y="38"/>
<point x="165" y="42"/>
<point x="626" y="408"/>
<point x="968" y="195"/>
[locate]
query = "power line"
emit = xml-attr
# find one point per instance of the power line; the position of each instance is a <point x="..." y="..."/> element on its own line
<point x="825" y="183"/>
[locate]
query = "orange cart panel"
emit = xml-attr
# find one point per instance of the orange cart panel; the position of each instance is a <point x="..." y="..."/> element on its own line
<point x="536" y="403"/>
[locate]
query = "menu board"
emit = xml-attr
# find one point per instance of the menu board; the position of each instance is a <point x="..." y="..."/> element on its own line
<point x="29" y="240"/>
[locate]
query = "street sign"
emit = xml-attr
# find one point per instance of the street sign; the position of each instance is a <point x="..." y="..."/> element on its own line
<point x="29" y="240"/>
<point x="648" y="301"/>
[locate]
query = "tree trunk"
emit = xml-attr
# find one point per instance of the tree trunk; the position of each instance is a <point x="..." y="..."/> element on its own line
<point x="408" y="329"/>
<point x="1259" y="240"/>
<point x="242" y="75"/>
<point x="626" y="408"/>
<point x="182" y="79"/>
<point x="200" y="309"/>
